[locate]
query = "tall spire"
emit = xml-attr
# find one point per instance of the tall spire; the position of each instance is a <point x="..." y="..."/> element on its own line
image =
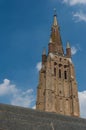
<point x="56" y="44"/>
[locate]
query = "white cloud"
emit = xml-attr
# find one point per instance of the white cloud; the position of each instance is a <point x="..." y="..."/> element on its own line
<point x="18" y="97"/>
<point x="74" y="2"/>
<point x="34" y="107"/>
<point x="23" y="98"/>
<point x="79" y="16"/>
<point x="6" y="88"/>
<point x="39" y="66"/>
<point x="74" y="50"/>
<point x="82" y="100"/>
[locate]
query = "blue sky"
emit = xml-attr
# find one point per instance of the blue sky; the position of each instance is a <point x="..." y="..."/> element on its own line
<point x="24" y="31"/>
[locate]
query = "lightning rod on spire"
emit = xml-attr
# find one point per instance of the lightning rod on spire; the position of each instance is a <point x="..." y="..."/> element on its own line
<point x="55" y="11"/>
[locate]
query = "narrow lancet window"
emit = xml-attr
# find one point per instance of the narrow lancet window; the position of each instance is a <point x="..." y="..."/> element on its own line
<point x="65" y="74"/>
<point x="54" y="71"/>
<point x="59" y="73"/>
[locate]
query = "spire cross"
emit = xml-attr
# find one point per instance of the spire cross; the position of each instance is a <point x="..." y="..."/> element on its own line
<point x="55" y="11"/>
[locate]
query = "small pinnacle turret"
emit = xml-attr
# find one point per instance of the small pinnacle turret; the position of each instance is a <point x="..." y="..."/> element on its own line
<point x="44" y="56"/>
<point x="50" y="40"/>
<point x="68" y="50"/>
<point x="44" y="52"/>
<point x="68" y="45"/>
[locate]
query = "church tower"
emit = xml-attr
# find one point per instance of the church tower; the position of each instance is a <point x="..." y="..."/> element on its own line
<point x="57" y="89"/>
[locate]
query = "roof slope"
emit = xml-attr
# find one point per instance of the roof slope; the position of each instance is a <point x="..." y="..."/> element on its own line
<point x="19" y="118"/>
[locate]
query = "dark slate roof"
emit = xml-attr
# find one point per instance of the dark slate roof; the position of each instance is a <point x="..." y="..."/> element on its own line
<point x="19" y="118"/>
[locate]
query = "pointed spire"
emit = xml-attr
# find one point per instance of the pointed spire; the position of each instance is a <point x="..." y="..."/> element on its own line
<point x="44" y="52"/>
<point x="55" y="44"/>
<point x="68" y="45"/>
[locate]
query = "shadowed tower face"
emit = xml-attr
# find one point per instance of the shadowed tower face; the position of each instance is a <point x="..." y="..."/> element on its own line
<point x="57" y="89"/>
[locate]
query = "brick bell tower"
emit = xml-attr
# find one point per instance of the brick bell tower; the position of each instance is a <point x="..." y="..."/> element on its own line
<point x="57" y="89"/>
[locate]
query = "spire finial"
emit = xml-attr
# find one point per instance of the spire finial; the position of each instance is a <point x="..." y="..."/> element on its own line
<point x="55" y="18"/>
<point x="55" y="12"/>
